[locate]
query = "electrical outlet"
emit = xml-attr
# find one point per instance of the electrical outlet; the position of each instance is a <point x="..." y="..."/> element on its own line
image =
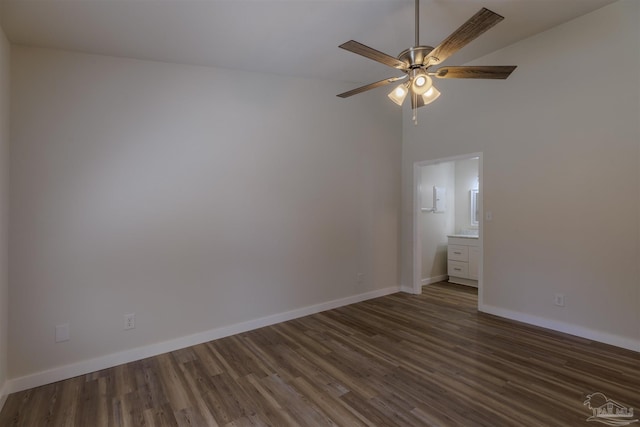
<point x="62" y="332"/>
<point x="559" y="300"/>
<point x="129" y="321"/>
<point x="360" y="277"/>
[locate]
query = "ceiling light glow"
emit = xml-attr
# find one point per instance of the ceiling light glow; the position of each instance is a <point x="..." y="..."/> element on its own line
<point x="399" y="94"/>
<point x="431" y="95"/>
<point x="421" y="82"/>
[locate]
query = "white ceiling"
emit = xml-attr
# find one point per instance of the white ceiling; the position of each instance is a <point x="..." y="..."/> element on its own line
<point x="291" y="37"/>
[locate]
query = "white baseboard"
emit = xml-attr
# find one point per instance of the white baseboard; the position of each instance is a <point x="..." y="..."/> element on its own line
<point x="434" y="279"/>
<point x="424" y="282"/>
<point x="4" y="393"/>
<point x="567" y="328"/>
<point x="87" y="366"/>
<point x="408" y="290"/>
<point x="463" y="281"/>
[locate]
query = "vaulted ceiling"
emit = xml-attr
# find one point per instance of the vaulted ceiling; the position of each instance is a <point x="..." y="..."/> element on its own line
<point x="289" y="37"/>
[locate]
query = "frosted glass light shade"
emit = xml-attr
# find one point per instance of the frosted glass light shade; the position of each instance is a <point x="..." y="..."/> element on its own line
<point x="430" y="95"/>
<point x="421" y="83"/>
<point x="399" y="94"/>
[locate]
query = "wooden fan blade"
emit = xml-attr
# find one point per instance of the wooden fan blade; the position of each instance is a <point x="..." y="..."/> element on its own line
<point x="475" y="72"/>
<point x="469" y="31"/>
<point x="370" y="86"/>
<point x="376" y="55"/>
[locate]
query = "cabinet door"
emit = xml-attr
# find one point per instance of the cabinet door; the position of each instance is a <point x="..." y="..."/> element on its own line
<point x="474" y="260"/>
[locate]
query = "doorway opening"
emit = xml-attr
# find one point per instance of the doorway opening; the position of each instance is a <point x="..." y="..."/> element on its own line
<point x="447" y="222"/>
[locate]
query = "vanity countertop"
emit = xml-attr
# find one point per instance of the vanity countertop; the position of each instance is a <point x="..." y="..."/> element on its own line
<point x="464" y="236"/>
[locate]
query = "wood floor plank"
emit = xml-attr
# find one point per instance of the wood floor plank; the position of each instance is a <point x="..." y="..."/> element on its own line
<point x="399" y="360"/>
<point x="69" y="398"/>
<point x="160" y="417"/>
<point x="200" y="383"/>
<point x="332" y="406"/>
<point x="268" y="408"/>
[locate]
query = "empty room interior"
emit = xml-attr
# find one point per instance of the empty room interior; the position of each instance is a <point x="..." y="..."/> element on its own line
<point x="195" y="230"/>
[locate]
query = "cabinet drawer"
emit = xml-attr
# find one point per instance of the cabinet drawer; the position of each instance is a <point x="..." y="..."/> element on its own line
<point x="458" y="253"/>
<point x="458" y="269"/>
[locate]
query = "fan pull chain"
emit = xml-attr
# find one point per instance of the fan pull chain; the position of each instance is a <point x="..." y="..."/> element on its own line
<point x="417" y="30"/>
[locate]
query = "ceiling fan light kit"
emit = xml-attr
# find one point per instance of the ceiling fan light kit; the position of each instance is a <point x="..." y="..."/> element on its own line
<point x="416" y="61"/>
<point x="399" y="93"/>
<point x="420" y="81"/>
<point x="431" y="95"/>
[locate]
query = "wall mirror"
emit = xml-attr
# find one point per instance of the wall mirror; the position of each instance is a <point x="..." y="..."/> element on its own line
<point x="475" y="215"/>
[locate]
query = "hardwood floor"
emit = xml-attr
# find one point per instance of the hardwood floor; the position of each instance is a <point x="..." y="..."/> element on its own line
<point x="428" y="360"/>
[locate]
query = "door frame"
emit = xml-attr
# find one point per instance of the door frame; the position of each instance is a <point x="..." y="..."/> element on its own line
<point x="417" y="205"/>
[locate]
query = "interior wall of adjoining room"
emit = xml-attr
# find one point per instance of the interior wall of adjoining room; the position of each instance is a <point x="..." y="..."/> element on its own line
<point x="435" y="226"/>
<point x="194" y="197"/>
<point x="561" y="175"/>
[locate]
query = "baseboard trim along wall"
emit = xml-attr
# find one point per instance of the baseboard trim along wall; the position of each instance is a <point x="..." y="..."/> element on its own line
<point x="408" y="290"/>
<point x="567" y="328"/>
<point x="434" y="279"/>
<point x="424" y="282"/>
<point x="4" y="393"/>
<point x="87" y="366"/>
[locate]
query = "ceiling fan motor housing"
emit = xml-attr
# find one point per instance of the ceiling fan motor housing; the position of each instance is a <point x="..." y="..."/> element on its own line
<point x="415" y="56"/>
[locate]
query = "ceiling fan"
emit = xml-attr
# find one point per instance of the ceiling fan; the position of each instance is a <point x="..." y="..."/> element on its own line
<point x="416" y="61"/>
